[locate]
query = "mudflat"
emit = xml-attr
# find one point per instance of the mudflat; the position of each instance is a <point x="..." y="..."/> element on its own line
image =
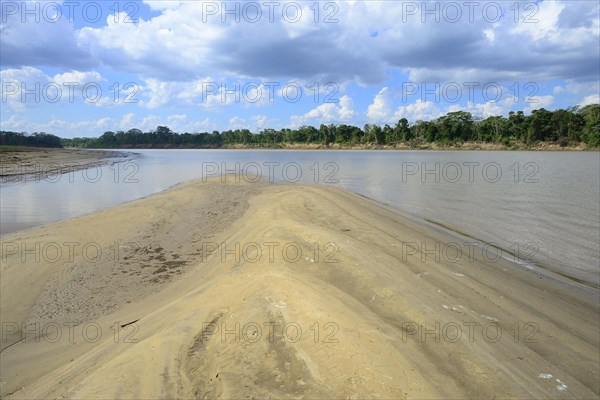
<point x="18" y="161"/>
<point x="255" y="290"/>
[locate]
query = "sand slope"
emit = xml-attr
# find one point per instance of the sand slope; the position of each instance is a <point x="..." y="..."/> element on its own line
<point x="357" y="319"/>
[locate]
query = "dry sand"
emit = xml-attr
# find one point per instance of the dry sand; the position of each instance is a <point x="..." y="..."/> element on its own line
<point x="355" y="320"/>
<point x="33" y="162"/>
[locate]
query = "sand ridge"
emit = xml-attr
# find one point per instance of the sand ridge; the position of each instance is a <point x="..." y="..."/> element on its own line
<point x="332" y="308"/>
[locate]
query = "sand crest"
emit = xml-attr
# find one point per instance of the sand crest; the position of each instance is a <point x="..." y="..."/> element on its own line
<point x="239" y="290"/>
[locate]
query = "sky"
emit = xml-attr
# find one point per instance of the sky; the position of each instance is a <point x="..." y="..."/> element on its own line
<point x="77" y="69"/>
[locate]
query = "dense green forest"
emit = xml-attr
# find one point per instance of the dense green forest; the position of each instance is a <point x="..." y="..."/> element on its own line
<point x="34" y="140"/>
<point x="572" y="126"/>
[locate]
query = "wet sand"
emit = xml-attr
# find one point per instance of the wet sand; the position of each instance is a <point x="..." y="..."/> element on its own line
<point x="217" y="290"/>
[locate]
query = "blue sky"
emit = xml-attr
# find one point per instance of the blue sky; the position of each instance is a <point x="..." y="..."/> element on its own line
<point x="81" y="68"/>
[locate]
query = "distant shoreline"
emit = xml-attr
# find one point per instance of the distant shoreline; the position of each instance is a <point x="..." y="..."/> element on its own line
<point x="465" y="146"/>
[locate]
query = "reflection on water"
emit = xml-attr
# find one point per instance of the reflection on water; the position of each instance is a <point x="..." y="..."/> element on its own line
<point x="548" y="199"/>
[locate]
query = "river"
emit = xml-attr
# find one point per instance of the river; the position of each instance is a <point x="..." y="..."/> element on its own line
<point x="542" y="206"/>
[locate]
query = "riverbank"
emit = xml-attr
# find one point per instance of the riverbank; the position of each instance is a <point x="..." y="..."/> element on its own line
<point x="242" y="290"/>
<point x="17" y="162"/>
<point x="481" y="146"/>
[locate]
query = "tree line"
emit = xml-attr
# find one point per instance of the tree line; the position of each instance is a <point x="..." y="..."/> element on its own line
<point x="569" y="126"/>
<point x="36" y="139"/>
